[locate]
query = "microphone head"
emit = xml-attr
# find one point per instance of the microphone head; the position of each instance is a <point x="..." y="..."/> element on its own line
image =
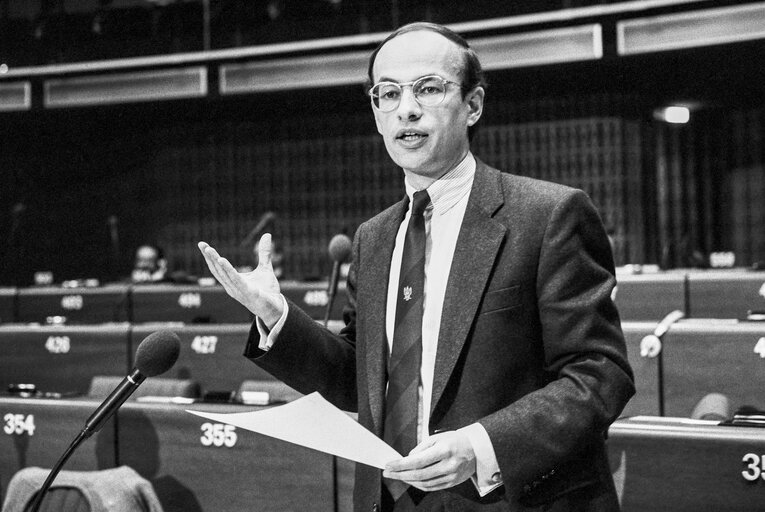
<point x="340" y="248"/>
<point x="157" y="353"/>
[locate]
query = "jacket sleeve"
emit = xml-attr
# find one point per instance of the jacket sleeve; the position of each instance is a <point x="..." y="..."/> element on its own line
<point x="588" y="379"/>
<point x="308" y="357"/>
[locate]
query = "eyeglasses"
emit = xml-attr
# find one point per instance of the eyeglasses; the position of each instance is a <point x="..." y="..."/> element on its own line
<point x="428" y="91"/>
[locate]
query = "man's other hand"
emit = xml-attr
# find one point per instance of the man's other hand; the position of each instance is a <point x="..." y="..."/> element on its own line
<point x="441" y="461"/>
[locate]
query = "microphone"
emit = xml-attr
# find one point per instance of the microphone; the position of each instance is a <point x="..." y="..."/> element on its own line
<point x="264" y="222"/>
<point x="156" y="354"/>
<point x="340" y="252"/>
<point x="651" y="345"/>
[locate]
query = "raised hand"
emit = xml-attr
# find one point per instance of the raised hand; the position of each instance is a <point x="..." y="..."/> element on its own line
<point x="257" y="290"/>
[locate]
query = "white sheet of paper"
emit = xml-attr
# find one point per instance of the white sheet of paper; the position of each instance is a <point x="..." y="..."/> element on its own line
<point x="313" y="422"/>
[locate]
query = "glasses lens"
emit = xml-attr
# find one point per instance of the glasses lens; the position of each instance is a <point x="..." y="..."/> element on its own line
<point x="386" y="96"/>
<point x="429" y="90"/>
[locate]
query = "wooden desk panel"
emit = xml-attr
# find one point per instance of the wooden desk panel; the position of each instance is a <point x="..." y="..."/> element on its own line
<point x="713" y="356"/>
<point x="725" y="294"/>
<point x="211" y="354"/>
<point x="186" y="303"/>
<point x="62" y="359"/>
<point x="7" y="305"/>
<point x="646" y="297"/>
<point x="193" y="470"/>
<point x="77" y="305"/>
<point x="56" y="424"/>
<point x="646" y="399"/>
<point x="676" y="465"/>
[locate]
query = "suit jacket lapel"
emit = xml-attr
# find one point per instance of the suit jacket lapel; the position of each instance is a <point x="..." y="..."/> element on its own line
<point x="377" y="273"/>
<point x="478" y="243"/>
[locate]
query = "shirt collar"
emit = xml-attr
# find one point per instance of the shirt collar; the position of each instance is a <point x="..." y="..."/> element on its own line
<point x="447" y="190"/>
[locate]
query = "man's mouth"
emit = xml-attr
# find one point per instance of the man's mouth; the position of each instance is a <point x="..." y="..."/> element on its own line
<point x="410" y="135"/>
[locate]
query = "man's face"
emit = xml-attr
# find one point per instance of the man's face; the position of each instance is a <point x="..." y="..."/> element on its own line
<point x="146" y="258"/>
<point x="425" y="140"/>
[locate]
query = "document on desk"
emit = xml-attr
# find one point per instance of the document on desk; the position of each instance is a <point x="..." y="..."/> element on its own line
<point x="313" y="422"/>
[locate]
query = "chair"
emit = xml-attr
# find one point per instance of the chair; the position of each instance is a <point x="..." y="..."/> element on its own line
<point x="109" y="490"/>
<point x="714" y="407"/>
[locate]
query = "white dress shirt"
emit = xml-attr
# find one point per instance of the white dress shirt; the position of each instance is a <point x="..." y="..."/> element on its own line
<point x="443" y="217"/>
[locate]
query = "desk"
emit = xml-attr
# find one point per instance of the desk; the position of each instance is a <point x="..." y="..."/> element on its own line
<point x="185" y="303"/>
<point x="7" y="305"/>
<point x="646" y="399"/>
<point x="211" y="354"/>
<point x="312" y="297"/>
<point x="198" y="466"/>
<point x="36" y="432"/>
<point x="650" y="296"/>
<point x="77" y="305"/>
<point x="62" y="358"/>
<point x="725" y="294"/>
<point x="677" y="465"/>
<point x="706" y="356"/>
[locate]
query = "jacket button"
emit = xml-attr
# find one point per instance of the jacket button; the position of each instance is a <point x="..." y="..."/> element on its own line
<point x="375" y="508"/>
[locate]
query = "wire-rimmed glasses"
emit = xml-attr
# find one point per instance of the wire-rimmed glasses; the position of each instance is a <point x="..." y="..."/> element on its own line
<point x="428" y="91"/>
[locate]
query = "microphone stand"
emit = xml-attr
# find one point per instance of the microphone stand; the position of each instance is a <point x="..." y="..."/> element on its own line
<point x="56" y="469"/>
<point x="332" y="291"/>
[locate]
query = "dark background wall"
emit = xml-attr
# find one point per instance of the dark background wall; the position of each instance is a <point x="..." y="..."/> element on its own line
<point x="176" y="172"/>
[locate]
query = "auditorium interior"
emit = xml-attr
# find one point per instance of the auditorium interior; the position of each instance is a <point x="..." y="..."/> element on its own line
<point x="127" y="123"/>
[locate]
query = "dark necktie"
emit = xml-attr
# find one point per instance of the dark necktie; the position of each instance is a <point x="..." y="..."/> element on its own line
<point x="401" y="402"/>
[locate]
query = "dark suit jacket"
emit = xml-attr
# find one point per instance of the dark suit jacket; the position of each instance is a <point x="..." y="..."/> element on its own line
<point x="530" y="344"/>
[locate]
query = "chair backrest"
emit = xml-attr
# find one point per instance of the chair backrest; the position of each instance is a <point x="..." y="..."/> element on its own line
<point x="61" y="499"/>
<point x="102" y="385"/>
<point x="109" y="490"/>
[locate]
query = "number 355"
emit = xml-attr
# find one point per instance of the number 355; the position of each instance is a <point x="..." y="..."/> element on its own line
<point x="218" y="434"/>
<point x="755" y="467"/>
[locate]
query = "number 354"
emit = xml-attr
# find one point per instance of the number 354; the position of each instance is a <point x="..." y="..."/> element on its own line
<point x="218" y="434"/>
<point x="755" y="465"/>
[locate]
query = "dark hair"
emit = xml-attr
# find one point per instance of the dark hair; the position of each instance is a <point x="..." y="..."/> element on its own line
<point x="472" y="72"/>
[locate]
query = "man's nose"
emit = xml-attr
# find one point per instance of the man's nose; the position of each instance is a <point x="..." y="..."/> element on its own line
<point x="408" y="107"/>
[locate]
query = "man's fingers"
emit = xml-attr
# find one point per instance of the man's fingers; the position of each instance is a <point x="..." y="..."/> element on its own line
<point x="222" y="270"/>
<point x="232" y="276"/>
<point x="264" y="250"/>
<point x="211" y="257"/>
<point x="423" y="455"/>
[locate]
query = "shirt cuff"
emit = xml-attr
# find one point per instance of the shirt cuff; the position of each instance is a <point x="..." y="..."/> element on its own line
<point x="267" y="338"/>
<point x="487" y="476"/>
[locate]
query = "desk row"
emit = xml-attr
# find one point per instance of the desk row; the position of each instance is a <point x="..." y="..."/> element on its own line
<point x="196" y="465"/>
<point x="735" y="293"/>
<point x="693" y="358"/>
<point x="151" y="303"/>
<point x="701" y="294"/>
<point x="63" y="360"/>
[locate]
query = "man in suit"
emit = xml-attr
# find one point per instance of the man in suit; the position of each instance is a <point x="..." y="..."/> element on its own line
<point x="520" y="361"/>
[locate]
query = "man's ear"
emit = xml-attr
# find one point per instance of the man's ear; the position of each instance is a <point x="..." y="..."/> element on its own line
<point x="475" y="104"/>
